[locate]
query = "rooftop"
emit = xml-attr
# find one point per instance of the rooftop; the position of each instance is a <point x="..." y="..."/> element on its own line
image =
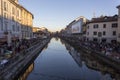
<point x="103" y="19"/>
<point x="118" y="6"/>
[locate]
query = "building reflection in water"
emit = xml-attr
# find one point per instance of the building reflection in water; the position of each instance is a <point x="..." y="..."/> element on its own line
<point x="27" y="72"/>
<point x="56" y="38"/>
<point x="81" y="59"/>
<point x="92" y="63"/>
<point x="29" y="69"/>
<point x="74" y="54"/>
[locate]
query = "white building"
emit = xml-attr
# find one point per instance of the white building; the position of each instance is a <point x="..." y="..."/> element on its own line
<point x="118" y="35"/>
<point x="77" y="25"/>
<point x="102" y="29"/>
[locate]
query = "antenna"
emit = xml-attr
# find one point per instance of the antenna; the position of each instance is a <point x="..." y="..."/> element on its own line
<point x="94" y="15"/>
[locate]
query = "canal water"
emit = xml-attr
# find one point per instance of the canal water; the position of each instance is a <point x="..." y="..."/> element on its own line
<point x="60" y="61"/>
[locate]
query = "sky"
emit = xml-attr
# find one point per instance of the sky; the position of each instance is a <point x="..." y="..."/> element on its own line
<point x="56" y="14"/>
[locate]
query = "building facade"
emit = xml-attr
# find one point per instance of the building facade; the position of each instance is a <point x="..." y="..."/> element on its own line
<point x="75" y="28"/>
<point x="77" y="25"/>
<point x="68" y="29"/>
<point x="118" y="34"/>
<point x="11" y="21"/>
<point x="36" y="32"/>
<point x="26" y="23"/>
<point x="41" y="32"/>
<point x="102" y="29"/>
<point x="36" y="29"/>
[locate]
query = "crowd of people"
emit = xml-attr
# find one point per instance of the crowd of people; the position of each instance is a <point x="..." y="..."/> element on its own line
<point x="17" y="46"/>
<point x="109" y="49"/>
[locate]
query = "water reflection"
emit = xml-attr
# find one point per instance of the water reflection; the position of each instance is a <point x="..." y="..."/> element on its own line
<point x="60" y="61"/>
<point x="27" y="72"/>
<point x="56" y="38"/>
<point x="92" y="63"/>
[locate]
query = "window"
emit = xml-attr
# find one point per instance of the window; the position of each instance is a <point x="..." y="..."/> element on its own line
<point x="27" y="28"/>
<point x="6" y="24"/>
<point x="104" y="40"/>
<point x="114" y="25"/>
<point x="113" y="41"/>
<point x="13" y="18"/>
<point x="1" y="24"/>
<point x="104" y="33"/>
<point x="95" y="26"/>
<point x="22" y="27"/>
<point x="13" y="10"/>
<point x="114" y="33"/>
<point x="18" y="28"/>
<point x="95" y="39"/>
<point x="5" y="15"/>
<point x="104" y="25"/>
<point x="99" y="34"/>
<point x="94" y="33"/>
<point x="18" y="13"/>
<point x="13" y="27"/>
<point x="5" y="6"/>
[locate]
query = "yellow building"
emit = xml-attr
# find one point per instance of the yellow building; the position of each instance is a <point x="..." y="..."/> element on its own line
<point x="10" y="21"/>
<point x="35" y="29"/>
<point x="26" y="23"/>
<point x="15" y="21"/>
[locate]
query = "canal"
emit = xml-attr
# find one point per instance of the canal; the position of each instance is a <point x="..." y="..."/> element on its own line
<point x="60" y="61"/>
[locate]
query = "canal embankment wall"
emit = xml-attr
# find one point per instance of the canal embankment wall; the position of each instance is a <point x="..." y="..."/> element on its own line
<point x="106" y="59"/>
<point x="12" y="71"/>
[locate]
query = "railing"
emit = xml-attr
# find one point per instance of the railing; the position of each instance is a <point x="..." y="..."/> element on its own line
<point x="19" y="61"/>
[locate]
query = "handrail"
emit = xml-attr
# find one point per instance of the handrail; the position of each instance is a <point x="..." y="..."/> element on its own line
<point x="18" y="58"/>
